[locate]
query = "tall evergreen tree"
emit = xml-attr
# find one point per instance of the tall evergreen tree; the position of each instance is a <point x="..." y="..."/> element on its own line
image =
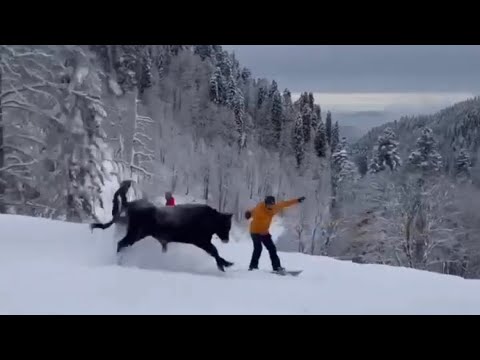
<point x="425" y="157"/>
<point x="231" y="90"/>
<point x="216" y="86"/>
<point x="273" y="89"/>
<point x="328" y="128"/>
<point x="246" y="74"/>
<point x="463" y="164"/>
<point x="318" y="111"/>
<point x="299" y="140"/>
<point x="311" y="101"/>
<point x="204" y="51"/>
<point x="314" y="121"/>
<point x="287" y="98"/>
<point x="262" y="93"/>
<point x="320" y="141"/>
<point x="307" y="123"/>
<point x="386" y="152"/>
<point x="146" y="76"/>
<point x="335" y="136"/>
<point x="343" y="169"/>
<point x="276" y="117"/>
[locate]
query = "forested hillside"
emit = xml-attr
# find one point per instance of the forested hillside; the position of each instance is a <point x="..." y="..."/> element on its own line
<point x="416" y="204"/>
<point x="183" y="118"/>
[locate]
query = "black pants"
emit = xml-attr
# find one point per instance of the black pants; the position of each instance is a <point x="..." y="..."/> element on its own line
<point x="267" y="241"/>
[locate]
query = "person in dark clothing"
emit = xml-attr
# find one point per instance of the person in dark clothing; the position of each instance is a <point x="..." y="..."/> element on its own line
<point x="122" y="194"/>
<point x="170" y="200"/>
<point x="262" y="216"/>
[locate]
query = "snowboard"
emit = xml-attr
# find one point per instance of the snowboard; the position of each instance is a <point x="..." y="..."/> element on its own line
<point x="284" y="273"/>
<point x="288" y="272"/>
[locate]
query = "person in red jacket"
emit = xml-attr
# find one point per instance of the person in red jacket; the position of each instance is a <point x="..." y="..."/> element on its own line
<point x="170" y="199"/>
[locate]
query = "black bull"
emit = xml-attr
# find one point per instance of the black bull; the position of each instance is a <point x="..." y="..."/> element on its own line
<point x="190" y="224"/>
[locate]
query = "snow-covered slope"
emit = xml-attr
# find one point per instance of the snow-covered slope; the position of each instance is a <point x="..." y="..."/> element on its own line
<point x="49" y="267"/>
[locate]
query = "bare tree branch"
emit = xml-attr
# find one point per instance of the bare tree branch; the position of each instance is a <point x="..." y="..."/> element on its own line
<point x="13" y="166"/>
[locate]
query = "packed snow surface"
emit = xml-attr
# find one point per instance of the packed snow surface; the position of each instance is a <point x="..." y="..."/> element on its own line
<point x="53" y="267"/>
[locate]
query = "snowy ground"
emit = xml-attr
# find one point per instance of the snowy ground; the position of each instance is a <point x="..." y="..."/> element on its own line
<point x="49" y="267"/>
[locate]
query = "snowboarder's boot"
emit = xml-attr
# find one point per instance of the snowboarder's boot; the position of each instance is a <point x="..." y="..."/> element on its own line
<point x="280" y="270"/>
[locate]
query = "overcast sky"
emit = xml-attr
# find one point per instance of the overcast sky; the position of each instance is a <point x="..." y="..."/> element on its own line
<point x="443" y="74"/>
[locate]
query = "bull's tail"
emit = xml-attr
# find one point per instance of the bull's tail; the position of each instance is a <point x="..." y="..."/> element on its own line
<point x="116" y="211"/>
<point x="102" y="226"/>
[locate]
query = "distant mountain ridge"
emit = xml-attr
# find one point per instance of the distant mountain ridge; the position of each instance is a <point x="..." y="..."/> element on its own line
<point x="455" y="127"/>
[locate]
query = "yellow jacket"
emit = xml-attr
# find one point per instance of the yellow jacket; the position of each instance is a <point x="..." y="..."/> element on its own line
<point x="262" y="216"/>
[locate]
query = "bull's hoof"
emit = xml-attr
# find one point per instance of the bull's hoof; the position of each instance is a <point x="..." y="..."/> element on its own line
<point x="164" y="248"/>
<point x="227" y="264"/>
<point x="220" y="267"/>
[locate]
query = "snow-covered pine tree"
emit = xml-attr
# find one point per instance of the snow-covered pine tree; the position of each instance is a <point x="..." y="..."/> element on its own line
<point x="318" y="111"/>
<point x="103" y="55"/>
<point x="128" y="67"/>
<point x="216" y="86"/>
<point x="239" y="111"/>
<point x="146" y="76"/>
<point x="287" y="99"/>
<point x="307" y="123"/>
<point x="314" y="122"/>
<point x="225" y="63"/>
<point x="299" y="140"/>
<point x="273" y="89"/>
<point x="344" y="174"/>
<point x="341" y="144"/>
<point x="361" y="160"/>
<point x="262" y="94"/>
<point x="231" y="90"/>
<point x="204" y="51"/>
<point x="425" y="157"/>
<point x="320" y="141"/>
<point x="311" y="101"/>
<point x="288" y="123"/>
<point x="386" y="152"/>
<point x="245" y="75"/>
<point x="303" y="101"/>
<point x="343" y="169"/>
<point x="335" y="137"/>
<point x="328" y="128"/>
<point x="81" y="148"/>
<point x="463" y="164"/>
<point x="276" y="118"/>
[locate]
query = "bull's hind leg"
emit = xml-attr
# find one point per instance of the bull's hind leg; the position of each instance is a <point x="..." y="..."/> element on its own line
<point x="131" y="238"/>
<point x="212" y="250"/>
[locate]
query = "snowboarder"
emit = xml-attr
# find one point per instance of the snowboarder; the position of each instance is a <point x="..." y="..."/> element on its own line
<point x="262" y="216"/>
<point x="170" y="200"/>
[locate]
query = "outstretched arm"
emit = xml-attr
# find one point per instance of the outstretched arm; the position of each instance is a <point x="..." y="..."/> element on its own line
<point x="285" y="204"/>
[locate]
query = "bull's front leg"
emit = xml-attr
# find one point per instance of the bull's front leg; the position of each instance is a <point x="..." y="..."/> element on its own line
<point x="162" y="242"/>
<point x="212" y="250"/>
<point x="164" y="246"/>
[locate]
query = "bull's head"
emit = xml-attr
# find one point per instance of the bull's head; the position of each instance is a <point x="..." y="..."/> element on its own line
<point x="223" y="226"/>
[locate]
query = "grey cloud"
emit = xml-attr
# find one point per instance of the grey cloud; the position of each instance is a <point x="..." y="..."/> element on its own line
<point x="370" y="68"/>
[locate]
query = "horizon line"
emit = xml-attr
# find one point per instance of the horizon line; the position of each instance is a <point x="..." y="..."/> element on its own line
<point x="388" y="101"/>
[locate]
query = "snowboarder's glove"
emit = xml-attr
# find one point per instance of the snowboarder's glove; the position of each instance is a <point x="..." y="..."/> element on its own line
<point x="301" y="199"/>
<point x="248" y="215"/>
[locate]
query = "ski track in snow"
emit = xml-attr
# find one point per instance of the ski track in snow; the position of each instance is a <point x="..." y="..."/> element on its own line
<point x="53" y="267"/>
